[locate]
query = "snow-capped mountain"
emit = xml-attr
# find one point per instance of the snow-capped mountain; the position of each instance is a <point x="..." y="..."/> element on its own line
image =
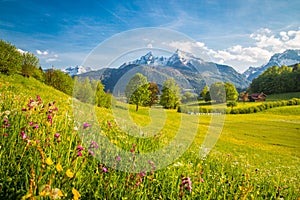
<point x="148" y="59"/>
<point x="73" y="71"/>
<point x="190" y="72"/>
<point x="288" y="57"/>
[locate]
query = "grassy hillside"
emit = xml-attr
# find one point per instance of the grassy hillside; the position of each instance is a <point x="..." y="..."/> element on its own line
<point x="43" y="155"/>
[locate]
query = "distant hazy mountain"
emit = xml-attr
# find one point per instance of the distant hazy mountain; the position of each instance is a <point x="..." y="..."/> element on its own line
<point x="288" y="57"/>
<point x="190" y="72"/>
<point x="73" y="71"/>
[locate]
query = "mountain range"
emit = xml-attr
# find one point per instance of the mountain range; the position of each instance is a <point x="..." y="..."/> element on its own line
<point x="190" y="72"/>
<point x="73" y="71"/>
<point x="288" y="57"/>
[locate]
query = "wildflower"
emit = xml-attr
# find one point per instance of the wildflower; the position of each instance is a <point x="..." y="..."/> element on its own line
<point x="109" y="124"/>
<point x="86" y="125"/>
<point x="56" y="193"/>
<point x="79" y="154"/>
<point x="76" y="194"/>
<point x="132" y="150"/>
<point x="118" y="158"/>
<point x="59" y="167"/>
<point x="56" y="135"/>
<point x="38" y="98"/>
<point x="36" y="126"/>
<point x="24" y="109"/>
<point x="186" y="183"/>
<point x="30" y="123"/>
<point x="104" y="169"/>
<point x="24" y="136"/>
<point x="49" y="161"/>
<point x="80" y="148"/>
<point x="5" y="120"/>
<point x="7" y="112"/>
<point x="94" y="145"/>
<point x="91" y="152"/>
<point x="69" y="173"/>
<point x="50" y="118"/>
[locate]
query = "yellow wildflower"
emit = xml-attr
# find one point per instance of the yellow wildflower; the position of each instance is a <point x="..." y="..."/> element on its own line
<point x="49" y="161"/>
<point x="56" y="193"/>
<point x="59" y="167"/>
<point x="69" y="173"/>
<point x="76" y="194"/>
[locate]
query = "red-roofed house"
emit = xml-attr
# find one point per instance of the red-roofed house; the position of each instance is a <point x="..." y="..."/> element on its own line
<point x="257" y="97"/>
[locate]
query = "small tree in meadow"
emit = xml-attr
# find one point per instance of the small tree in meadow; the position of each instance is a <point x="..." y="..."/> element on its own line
<point x="137" y="91"/>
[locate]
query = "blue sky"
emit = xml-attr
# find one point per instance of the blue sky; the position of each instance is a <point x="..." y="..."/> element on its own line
<point x="237" y="33"/>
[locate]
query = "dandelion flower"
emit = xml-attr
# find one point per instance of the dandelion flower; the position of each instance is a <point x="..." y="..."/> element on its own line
<point x="76" y="194"/>
<point x="49" y="161"/>
<point x="59" y="167"/>
<point x="69" y="173"/>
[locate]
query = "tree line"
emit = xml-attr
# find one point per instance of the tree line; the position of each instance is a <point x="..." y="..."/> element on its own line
<point x="277" y="80"/>
<point x="14" y="61"/>
<point x="140" y="92"/>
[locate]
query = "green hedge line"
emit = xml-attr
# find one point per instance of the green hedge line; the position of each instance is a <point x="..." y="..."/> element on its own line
<point x="240" y="110"/>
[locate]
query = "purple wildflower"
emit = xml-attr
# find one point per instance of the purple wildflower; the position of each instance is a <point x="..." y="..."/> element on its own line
<point x="38" y="98"/>
<point x="24" y="136"/>
<point x="30" y="123"/>
<point x="50" y="119"/>
<point x="80" y="148"/>
<point x="56" y="135"/>
<point x="104" y="169"/>
<point x="5" y="120"/>
<point x="118" y="158"/>
<point x="36" y="126"/>
<point x="186" y="183"/>
<point x="79" y="154"/>
<point x="94" y="145"/>
<point x="91" y="152"/>
<point x="24" y="109"/>
<point x="109" y="124"/>
<point x="86" y="125"/>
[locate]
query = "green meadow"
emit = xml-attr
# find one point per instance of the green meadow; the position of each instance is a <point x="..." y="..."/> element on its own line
<point x="42" y="155"/>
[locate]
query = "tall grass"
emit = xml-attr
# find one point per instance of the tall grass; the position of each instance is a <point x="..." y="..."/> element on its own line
<point x="43" y="157"/>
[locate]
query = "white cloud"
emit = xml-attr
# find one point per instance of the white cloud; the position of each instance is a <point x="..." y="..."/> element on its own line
<point x="266" y="43"/>
<point x="48" y="60"/>
<point x="150" y="46"/>
<point x="39" y="52"/>
<point x="22" y="51"/>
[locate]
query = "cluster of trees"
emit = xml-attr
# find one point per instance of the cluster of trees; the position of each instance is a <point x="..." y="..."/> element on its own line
<point x="220" y="92"/>
<point x="142" y="93"/>
<point x="277" y="80"/>
<point x="91" y="91"/>
<point x="14" y="61"/>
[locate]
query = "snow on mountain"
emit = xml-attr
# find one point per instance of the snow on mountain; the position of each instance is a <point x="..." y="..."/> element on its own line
<point x="288" y="57"/>
<point x="73" y="71"/>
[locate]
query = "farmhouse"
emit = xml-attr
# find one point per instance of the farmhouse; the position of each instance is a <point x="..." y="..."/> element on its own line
<point x="257" y="97"/>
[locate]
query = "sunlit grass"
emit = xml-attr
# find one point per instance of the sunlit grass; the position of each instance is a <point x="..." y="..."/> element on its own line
<point x="256" y="157"/>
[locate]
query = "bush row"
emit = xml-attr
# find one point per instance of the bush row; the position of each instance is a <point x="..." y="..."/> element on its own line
<point x="240" y="110"/>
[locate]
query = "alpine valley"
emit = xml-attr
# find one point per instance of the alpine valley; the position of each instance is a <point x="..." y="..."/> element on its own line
<point x="190" y="72"/>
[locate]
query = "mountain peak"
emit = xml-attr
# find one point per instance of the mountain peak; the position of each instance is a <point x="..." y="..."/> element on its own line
<point x="78" y="69"/>
<point x="288" y="57"/>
